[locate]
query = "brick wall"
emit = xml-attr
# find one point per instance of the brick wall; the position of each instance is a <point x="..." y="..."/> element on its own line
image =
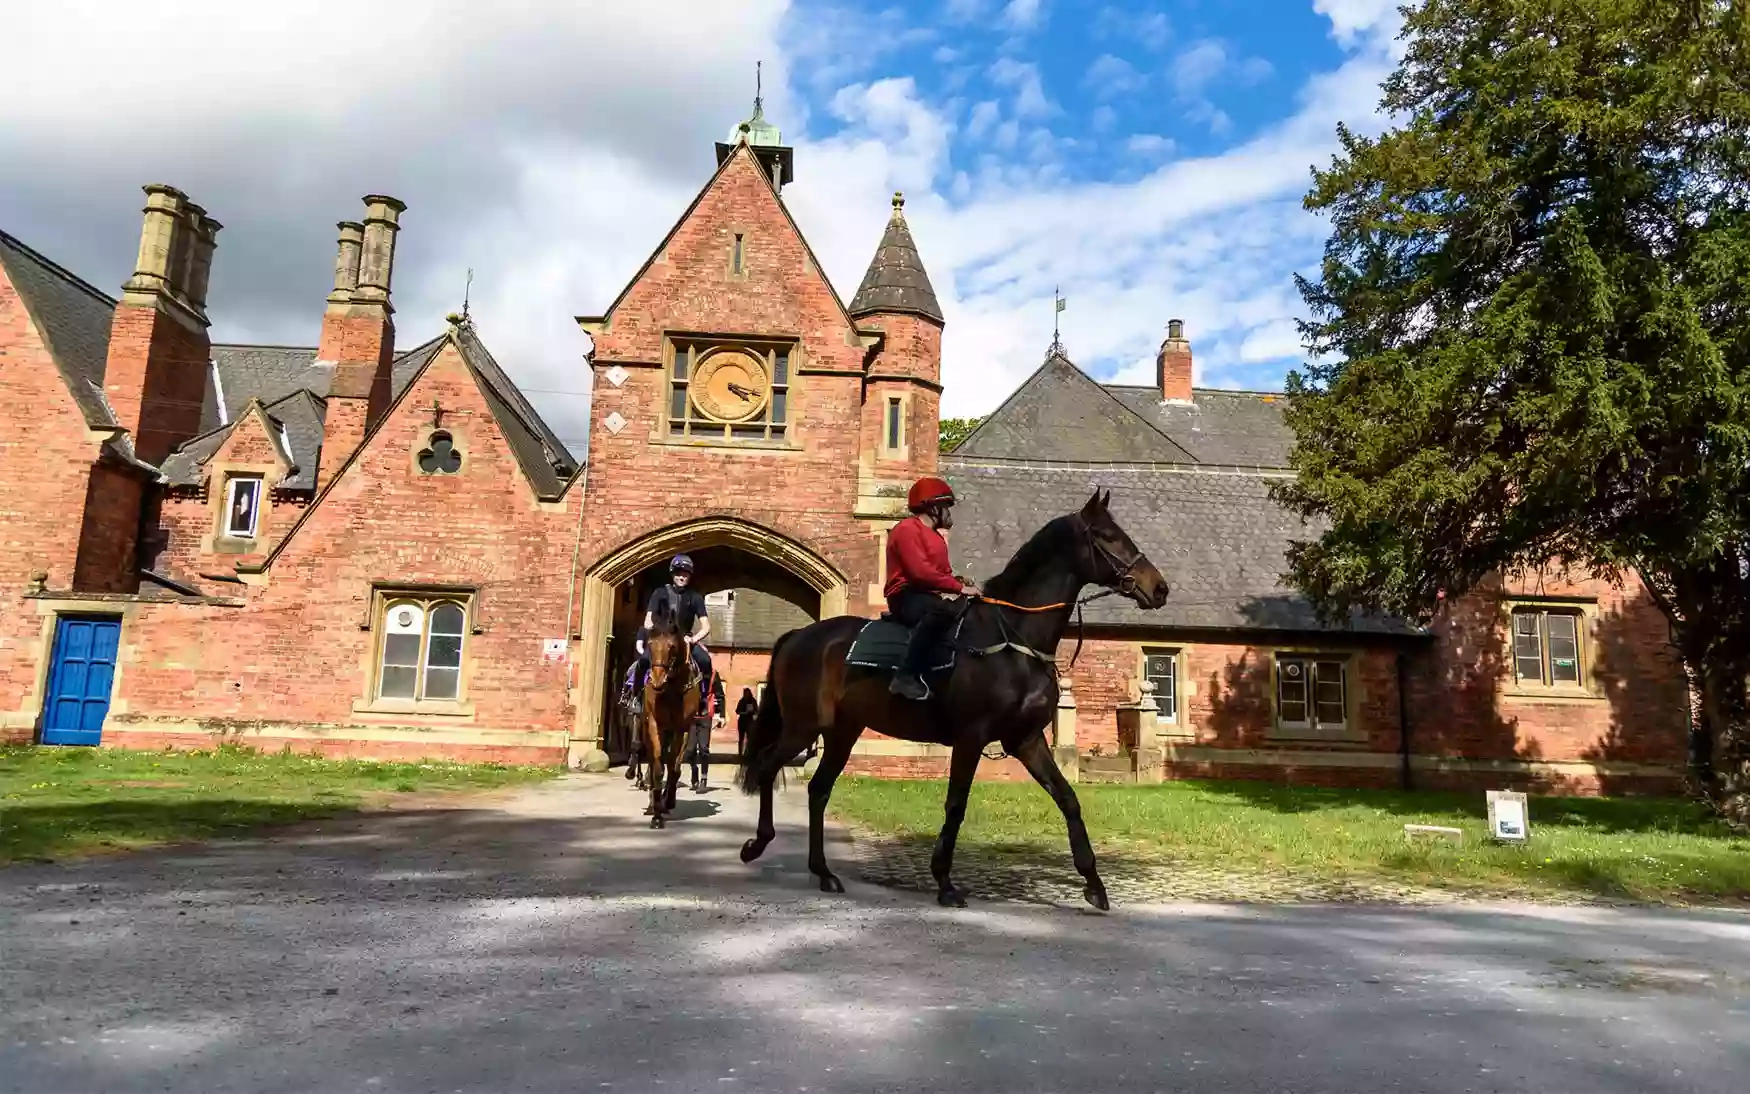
<point x="190" y="518"/>
<point x="108" y="531"/>
<point x="302" y="651"/>
<point x="639" y="483"/>
<point x="156" y="376"/>
<point x="46" y="457"/>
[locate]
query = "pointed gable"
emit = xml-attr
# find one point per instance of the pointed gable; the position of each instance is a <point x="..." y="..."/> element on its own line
<point x="73" y="319"/>
<point x="896" y="280"/>
<point x="691" y="283"/>
<point x="1060" y="414"/>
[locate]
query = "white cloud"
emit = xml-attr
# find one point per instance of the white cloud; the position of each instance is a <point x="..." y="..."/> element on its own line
<point x="1151" y="30"/>
<point x="1022" y="14"/>
<point x="984" y="116"/>
<point x="1109" y="76"/>
<point x="1355" y="19"/>
<point x="1149" y="144"/>
<point x="1023" y="79"/>
<point x="1197" y="66"/>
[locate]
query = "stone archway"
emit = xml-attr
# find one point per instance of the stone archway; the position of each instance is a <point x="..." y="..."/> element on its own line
<point x="625" y="562"/>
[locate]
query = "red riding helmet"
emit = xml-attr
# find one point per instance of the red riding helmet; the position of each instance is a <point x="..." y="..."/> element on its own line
<point x="927" y="492"/>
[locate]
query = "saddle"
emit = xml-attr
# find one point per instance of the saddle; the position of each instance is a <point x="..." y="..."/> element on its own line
<point x="880" y="646"/>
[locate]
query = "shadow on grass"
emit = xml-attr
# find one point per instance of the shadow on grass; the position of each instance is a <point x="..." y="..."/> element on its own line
<point x="1607" y="815"/>
<point x="45" y="833"/>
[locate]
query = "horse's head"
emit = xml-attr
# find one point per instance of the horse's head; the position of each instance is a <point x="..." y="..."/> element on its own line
<point x="1113" y="560"/>
<point x="667" y="649"/>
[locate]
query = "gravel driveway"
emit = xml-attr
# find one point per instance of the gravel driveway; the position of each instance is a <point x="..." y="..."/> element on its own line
<point x="546" y="940"/>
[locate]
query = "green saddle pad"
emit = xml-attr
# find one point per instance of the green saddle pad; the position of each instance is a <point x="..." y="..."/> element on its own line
<point x="880" y="645"/>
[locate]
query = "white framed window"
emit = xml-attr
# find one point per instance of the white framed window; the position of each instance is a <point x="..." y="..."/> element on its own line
<point x="242" y="506"/>
<point x="420" y="654"/>
<point x="1546" y="646"/>
<point x="1160" y="667"/>
<point x="1312" y="693"/>
<point x="893" y="428"/>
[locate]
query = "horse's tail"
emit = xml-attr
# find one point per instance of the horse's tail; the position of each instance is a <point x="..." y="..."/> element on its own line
<point x="768" y="725"/>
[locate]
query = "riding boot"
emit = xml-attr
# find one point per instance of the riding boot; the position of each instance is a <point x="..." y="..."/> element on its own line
<point x="908" y="682"/>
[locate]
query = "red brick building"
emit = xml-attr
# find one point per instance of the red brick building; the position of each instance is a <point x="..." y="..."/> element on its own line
<point x="355" y="548"/>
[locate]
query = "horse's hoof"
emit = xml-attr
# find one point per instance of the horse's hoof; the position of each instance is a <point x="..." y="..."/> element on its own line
<point x="752" y="849"/>
<point x="951" y="898"/>
<point x="829" y="883"/>
<point x="1095" y="894"/>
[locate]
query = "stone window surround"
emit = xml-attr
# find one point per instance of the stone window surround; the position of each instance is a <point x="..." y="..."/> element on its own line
<point x="902" y="453"/>
<point x="462" y="707"/>
<point x="1587" y="690"/>
<point x="794" y="386"/>
<point x="458" y="443"/>
<point x="1179" y="725"/>
<point x="233" y="486"/>
<point x="1352" y="731"/>
<point x="216" y="541"/>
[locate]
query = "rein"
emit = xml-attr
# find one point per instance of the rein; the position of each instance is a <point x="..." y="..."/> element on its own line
<point x="1123" y="581"/>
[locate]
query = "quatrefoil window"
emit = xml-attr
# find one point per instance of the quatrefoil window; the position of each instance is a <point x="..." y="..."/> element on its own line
<point x="440" y="456"/>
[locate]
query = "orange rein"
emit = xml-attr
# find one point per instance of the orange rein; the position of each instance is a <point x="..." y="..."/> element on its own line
<point x="1022" y="607"/>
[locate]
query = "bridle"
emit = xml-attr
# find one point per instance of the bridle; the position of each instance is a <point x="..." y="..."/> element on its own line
<point x="1122" y="582"/>
<point x="670" y="671"/>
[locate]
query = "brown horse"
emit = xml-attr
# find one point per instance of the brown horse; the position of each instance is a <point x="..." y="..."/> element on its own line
<point x="1003" y="689"/>
<point x="671" y="700"/>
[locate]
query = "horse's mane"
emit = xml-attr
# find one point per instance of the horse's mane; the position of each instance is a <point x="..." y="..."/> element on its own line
<point x="1046" y="545"/>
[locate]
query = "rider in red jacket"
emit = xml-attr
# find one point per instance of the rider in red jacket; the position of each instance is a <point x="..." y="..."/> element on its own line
<point x="921" y="589"/>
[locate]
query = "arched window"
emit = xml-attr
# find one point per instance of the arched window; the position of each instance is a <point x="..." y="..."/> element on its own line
<point x="422" y="650"/>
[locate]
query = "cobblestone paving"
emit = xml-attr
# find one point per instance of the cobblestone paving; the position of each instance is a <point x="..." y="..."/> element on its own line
<point x="1047" y="878"/>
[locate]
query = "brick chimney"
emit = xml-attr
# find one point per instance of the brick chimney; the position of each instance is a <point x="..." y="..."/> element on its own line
<point x="1173" y="365"/>
<point x="358" y="331"/>
<point x="155" y="375"/>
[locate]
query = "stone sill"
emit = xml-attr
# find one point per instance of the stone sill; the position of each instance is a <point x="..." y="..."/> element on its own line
<point x="413" y="706"/>
<point x="1556" y="696"/>
<point x="1345" y="739"/>
<point x="716" y="444"/>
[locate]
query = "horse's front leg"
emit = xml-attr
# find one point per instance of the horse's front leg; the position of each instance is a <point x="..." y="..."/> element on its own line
<point x="961" y="768"/>
<point x="1035" y="756"/>
<point x="653" y="769"/>
<point x="832" y="761"/>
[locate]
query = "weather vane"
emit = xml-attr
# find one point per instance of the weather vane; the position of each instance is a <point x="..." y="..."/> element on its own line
<point x="756" y="84"/>
<point x="1057" y="303"/>
<point x="467" y="290"/>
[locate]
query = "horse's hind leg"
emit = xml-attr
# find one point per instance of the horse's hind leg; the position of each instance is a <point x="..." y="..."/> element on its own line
<point x="770" y="761"/>
<point x="1035" y="756"/>
<point x="961" y="767"/>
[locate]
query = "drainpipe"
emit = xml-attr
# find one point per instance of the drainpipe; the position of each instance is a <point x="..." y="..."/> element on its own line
<point x="1404" y="775"/>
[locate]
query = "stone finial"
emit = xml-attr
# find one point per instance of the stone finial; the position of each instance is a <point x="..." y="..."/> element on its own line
<point x="39" y="581"/>
<point x="898" y="203"/>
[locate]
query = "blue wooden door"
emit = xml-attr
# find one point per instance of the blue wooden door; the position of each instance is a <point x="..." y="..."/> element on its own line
<point x="81" y="674"/>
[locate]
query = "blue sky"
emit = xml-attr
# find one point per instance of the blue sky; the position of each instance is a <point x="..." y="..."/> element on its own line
<point x="1149" y="159"/>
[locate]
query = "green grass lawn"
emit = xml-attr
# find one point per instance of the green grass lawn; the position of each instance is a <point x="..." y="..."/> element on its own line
<point x="1645" y="849"/>
<point x="62" y="802"/>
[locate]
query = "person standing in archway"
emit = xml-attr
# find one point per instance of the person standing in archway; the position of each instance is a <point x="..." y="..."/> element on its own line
<point x="688" y="607"/>
<point x="746" y="710"/>
<point x="922" y="591"/>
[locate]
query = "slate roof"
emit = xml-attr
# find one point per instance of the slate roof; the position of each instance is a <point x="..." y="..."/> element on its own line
<point x="74" y="319"/>
<point x="754" y="620"/>
<point x="540" y="453"/>
<point x="1061" y="414"/>
<point x="1217" y="538"/>
<point x="1224" y="428"/>
<point x="268" y="373"/>
<point x="896" y="281"/>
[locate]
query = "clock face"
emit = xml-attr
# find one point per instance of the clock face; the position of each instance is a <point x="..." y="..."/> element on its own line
<point x="731" y="386"/>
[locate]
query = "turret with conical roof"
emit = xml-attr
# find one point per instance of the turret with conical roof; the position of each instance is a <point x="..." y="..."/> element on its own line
<point x="896" y="281"/>
<point x="902" y="390"/>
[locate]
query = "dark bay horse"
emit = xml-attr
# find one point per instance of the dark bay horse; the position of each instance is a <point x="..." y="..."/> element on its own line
<point x="671" y="701"/>
<point x="1003" y="690"/>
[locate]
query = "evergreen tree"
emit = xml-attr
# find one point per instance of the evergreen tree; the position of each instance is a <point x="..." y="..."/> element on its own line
<point x="1531" y="328"/>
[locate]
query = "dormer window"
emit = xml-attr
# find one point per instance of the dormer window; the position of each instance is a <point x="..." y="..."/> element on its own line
<point x="242" y="506"/>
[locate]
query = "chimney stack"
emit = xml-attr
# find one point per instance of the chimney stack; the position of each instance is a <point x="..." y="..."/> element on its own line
<point x="1173" y="365"/>
<point x="358" y="331"/>
<point x="155" y="375"/>
<point x="346" y="263"/>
